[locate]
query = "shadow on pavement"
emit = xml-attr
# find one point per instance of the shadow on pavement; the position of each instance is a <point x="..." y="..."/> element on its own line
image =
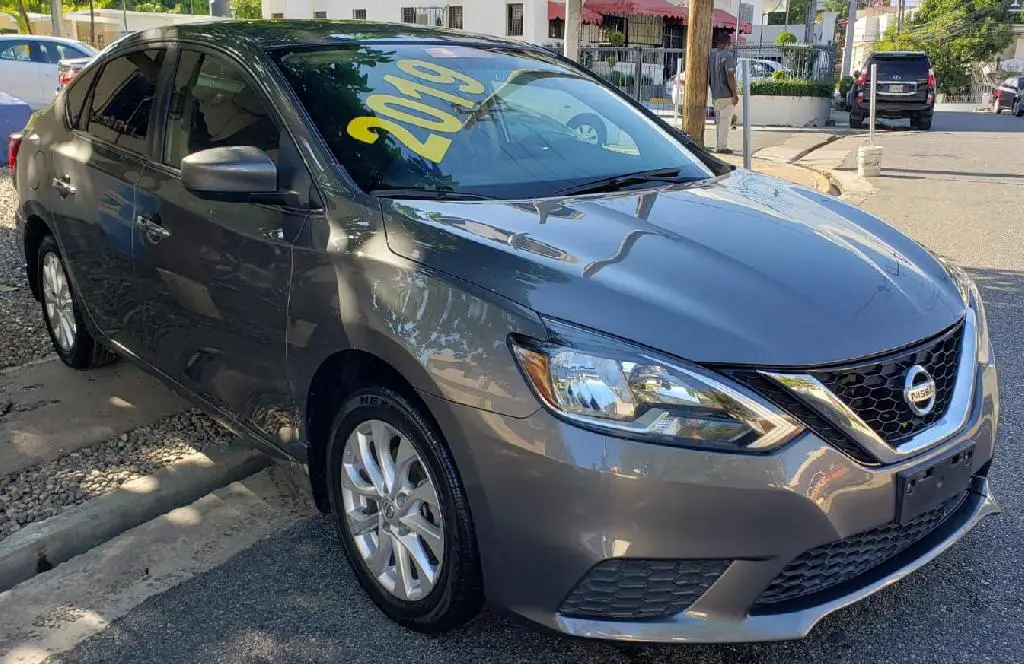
<point x="292" y="598"/>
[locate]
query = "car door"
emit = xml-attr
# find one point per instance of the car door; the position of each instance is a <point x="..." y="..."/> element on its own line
<point x="19" y="75"/>
<point x="92" y="178"/>
<point x="213" y="272"/>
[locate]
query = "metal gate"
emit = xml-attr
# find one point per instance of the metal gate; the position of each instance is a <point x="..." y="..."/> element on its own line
<point x="645" y="73"/>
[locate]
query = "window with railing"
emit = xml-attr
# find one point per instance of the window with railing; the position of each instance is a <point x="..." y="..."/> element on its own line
<point x="277" y="15"/>
<point x="514" y="19"/>
<point x="455" y="16"/>
<point x="359" y="14"/>
<point x="408" y="14"/>
<point x="319" y="14"/>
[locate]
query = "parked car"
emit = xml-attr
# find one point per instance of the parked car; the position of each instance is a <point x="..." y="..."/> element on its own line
<point x="67" y="69"/>
<point x="29" y="64"/>
<point x="631" y="395"/>
<point x="1009" y="96"/>
<point x="759" y="70"/>
<point x="905" y="88"/>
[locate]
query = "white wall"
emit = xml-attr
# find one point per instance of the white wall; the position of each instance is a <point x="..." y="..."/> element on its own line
<point x="482" y="16"/>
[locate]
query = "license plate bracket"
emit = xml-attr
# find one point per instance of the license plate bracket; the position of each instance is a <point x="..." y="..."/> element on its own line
<point x="922" y="489"/>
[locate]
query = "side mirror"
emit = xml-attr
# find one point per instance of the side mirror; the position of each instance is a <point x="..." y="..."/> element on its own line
<point x="229" y="170"/>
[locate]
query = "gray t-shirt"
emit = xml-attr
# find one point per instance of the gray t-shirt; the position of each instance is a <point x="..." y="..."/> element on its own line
<point x="721" y="63"/>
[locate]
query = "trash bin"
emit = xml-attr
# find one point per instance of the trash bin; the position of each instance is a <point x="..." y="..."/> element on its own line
<point x="14" y="115"/>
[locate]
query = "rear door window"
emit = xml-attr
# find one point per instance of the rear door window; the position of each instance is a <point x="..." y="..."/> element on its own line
<point x="122" y="99"/>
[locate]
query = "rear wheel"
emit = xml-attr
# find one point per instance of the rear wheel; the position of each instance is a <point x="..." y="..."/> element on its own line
<point x="923" y="123"/>
<point x="856" y="121"/>
<point x="63" y="313"/>
<point x="402" y="513"/>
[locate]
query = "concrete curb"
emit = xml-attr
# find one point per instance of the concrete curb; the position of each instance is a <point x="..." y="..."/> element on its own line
<point x="43" y="545"/>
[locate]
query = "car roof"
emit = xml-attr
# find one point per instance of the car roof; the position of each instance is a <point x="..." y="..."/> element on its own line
<point x="42" y="38"/>
<point x="278" y="33"/>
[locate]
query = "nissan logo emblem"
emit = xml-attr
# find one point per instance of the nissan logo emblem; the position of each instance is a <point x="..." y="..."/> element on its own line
<point x="919" y="390"/>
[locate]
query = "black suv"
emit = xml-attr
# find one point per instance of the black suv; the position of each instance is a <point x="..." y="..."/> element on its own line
<point x="905" y="88"/>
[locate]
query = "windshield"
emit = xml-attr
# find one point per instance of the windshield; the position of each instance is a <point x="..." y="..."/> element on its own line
<point x="500" y="123"/>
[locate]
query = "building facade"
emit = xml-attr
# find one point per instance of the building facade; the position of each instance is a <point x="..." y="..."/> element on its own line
<point x="526" y="19"/>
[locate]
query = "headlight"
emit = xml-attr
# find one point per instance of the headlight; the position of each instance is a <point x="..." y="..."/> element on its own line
<point x="606" y="385"/>
<point x="985" y="355"/>
<point x="972" y="297"/>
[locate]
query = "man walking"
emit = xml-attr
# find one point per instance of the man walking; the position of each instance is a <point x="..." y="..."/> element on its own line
<point x="724" y="96"/>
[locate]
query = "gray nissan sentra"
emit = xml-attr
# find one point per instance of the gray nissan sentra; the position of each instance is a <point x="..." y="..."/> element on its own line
<point x="528" y="343"/>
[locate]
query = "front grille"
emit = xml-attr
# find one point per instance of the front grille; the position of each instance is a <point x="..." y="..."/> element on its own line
<point x="874" y="390"/>
<point x="831" y="564"/>
<point x="633" y="589"/>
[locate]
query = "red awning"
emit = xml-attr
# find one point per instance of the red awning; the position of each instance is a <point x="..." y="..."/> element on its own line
<point x="662" y="8"/>
<point x="557" y="10"/>
<point x="723" y="19"/>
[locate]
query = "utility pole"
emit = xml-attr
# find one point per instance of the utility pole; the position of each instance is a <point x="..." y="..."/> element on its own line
<point x="92" y="23"/>
<point x="812" y="13"/>
<point x="851" y="22"/>
<point x="56" y="14"/>
<point x="698" y="50"/>
<point x="899" y="16"/>
<point x="573" y="19"/>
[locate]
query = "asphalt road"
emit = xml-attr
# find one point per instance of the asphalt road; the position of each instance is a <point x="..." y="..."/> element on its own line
<point x="292" y="598"/>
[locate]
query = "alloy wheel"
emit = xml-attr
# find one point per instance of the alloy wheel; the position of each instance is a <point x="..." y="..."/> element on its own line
<point x="588" y="134"/>
<point x="392" y="510"/>
<point x="60" y="308"/>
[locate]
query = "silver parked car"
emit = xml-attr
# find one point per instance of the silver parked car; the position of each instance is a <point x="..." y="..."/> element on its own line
<point x="612" y="385"/>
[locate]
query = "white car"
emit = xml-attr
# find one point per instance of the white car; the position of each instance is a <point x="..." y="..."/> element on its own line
<point x="759" y="70"/>
<point x="28" y="65"/>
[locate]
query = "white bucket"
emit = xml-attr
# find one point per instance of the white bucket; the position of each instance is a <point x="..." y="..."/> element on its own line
<point x="869" y="161"/>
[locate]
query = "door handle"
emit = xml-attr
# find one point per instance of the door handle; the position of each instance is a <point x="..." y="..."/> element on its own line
<point x="152" y="227"/>
<point x="63" y="186"/>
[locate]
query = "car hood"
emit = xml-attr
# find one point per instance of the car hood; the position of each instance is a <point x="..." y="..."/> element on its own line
<point x="741" y="269"/>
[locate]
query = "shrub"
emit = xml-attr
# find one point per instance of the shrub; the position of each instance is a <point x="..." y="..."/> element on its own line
<point x="616" y="38"/>
<point x="780" y="75"/>
<point x="785" y="38"/>
<point x="791" y="88"/>
<point x="844" y="85"/>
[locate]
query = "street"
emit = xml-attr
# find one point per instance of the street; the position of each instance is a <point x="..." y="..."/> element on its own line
<point x="292" y="598"/>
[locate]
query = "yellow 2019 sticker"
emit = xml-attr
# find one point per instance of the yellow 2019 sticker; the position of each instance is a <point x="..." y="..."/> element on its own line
<point x="434" y="148"/>
<point x="395" y="109"/>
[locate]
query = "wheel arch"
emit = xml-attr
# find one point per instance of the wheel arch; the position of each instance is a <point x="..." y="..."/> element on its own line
<point x="37" y="226"/>
<point x="338" y="376"/>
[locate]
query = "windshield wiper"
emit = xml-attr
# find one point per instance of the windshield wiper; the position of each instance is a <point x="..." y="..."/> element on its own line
<point x="433" y="194"/>
<point x="617" y="182"/>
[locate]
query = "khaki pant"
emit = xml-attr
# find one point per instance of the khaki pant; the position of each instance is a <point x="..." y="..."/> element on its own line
<point x="724" y="110"/>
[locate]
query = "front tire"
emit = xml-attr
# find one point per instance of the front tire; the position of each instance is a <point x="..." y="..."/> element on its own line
<point x="402" y="513"/>
<point x="62" y="313"/>
<point x="1018" y="108"/>
<point x="589" y="128"/>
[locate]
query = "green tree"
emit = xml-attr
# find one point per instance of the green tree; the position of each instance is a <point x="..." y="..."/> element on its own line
<point x="955" y="34"/>
<point x="247" y="8"/>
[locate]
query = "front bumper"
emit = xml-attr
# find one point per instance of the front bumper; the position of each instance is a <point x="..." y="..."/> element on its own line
<point x="551" y="501"/>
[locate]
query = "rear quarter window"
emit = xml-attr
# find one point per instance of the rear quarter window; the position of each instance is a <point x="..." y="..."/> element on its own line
<point x="74" y="97"/>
